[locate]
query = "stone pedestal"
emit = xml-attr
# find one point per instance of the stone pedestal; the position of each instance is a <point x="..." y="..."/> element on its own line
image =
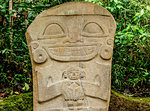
<point x="71" y="47"/>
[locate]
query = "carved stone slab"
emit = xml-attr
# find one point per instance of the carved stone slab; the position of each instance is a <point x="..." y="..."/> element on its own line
<point x="71" y="47"/>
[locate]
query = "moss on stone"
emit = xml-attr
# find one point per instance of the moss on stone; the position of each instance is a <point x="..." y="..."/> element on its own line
<point x="121" y="102"/>
<point x="21" y="102"/>
<point x="118" y="102"/>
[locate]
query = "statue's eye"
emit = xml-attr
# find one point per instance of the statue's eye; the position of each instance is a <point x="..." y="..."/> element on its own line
<point x="93" y="29"/>
<point x="53" y="30"/>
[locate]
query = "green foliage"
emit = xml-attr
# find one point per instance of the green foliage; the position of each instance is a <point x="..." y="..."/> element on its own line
<point x="130" y="69"/>
<point x="131" y="59"/>
<point x="15" y="62"/>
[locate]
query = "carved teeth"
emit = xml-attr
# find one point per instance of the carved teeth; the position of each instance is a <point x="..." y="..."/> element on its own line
<point x="73" y="51"/>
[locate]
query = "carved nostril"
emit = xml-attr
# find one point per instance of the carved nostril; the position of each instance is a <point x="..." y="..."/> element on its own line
<point x="70" y="40"/>
<point x="73" y="40"/>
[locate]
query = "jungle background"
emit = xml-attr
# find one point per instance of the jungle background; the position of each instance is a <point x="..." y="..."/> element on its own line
<point x="131" y="57"/>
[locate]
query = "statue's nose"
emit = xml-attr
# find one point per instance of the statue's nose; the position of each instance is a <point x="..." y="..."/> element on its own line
<point x="74" y="37"/>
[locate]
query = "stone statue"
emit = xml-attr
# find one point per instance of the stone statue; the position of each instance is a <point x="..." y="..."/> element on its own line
<point x="71" y="47"/>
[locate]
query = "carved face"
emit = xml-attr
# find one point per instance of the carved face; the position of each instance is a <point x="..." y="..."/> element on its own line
<point x="73" y="74"/>
<point x="78" y="37"/>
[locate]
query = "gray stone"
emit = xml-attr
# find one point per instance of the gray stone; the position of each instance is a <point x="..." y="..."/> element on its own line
<point x="71" y="47"/>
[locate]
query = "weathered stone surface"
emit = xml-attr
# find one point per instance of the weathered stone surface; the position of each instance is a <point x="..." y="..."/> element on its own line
<point x="71" y="48"/>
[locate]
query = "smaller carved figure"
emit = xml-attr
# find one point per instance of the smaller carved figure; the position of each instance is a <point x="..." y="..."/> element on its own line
<point x="72" y="88"/>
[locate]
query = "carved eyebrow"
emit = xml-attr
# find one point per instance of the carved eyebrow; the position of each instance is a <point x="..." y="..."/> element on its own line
<point x="85" y="34"/>
<point x="51" y="36"/>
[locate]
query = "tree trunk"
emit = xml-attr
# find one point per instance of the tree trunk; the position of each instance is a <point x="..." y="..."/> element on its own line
<point x="11" y="21"/>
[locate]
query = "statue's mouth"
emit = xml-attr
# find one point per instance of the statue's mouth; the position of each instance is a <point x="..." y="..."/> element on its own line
<point x="72" y="53"/>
